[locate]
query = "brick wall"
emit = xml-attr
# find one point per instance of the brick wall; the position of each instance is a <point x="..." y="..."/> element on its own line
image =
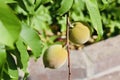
<point x="99" y="61"/>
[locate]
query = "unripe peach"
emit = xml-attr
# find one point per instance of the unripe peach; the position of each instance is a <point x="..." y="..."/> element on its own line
<point x="55" y="56"/>
<point x="79" y="34"/>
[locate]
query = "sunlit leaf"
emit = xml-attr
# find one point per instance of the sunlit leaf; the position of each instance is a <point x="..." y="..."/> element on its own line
<point x="2" y="58"/>
<point x="65" y="6"/>
<point x="37" y="4"/>
<point x="31" y="38"/>
<point x="22" y="5"/>
<point x="95" y="16"/>
<point x="24" y="57"/>
<point x="10" y="26"/>
<point x="8" y="1"/>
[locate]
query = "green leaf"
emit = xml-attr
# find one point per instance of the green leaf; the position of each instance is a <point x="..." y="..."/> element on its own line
<point x="12" y="67"/>
<point x="2" y="58"/>
<point x="29" y="4"/>
<point x="8" y="1"/>
<point x="13" y="74"/>
<point x="5" y="75"/>
<point x="22" y="5"/>
<point x="41" y="19"/>
<point x="10" y="26"/>
<point x="95" y="16"/>
<point x="31" y="38"/>
<point x="65" y="6"/>
<point x="37" y="4"/>
<point x="23" y="54"/>
<point x="45" y="1"/>
<point x="77" y="10"/>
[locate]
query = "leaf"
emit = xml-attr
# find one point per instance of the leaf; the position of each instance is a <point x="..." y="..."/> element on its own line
<point x="2" y="58"/>
<point x="12" y="67"/>
<point x="41" y="19"/>
<point x="10" y="26"/>
<point x="26" y="76"/>
<point x="8" y="1"/>
<point x="5" y="75"/>
<point x="77" y="10"/>
<point x="65" y="6"/>
<point x="24" y="57"/>
<point x="31" y="38"/>
<point x="45" y="1"/>
<point x="37" y="4"/>
<point x="95" y="16"/>
<point x="22" y="5"/>
<point x="13" y="74"/>
<point x="29" y="5"/>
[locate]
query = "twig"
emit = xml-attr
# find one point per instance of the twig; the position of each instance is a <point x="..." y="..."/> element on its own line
<point x="67" y="44"/>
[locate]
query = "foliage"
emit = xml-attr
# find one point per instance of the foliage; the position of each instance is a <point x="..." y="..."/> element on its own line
<point x="28" y="27"/>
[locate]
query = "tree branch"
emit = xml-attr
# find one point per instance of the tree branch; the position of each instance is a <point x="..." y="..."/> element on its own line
<point x="67" y="44"/>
